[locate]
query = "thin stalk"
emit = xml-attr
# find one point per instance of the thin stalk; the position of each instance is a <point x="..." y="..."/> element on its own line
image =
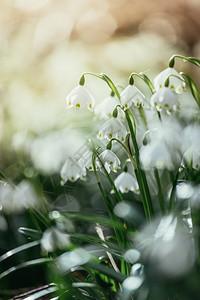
<point x="160" y="193"/>
<point x="110" y="211"/>
<point x="147" y="202"/>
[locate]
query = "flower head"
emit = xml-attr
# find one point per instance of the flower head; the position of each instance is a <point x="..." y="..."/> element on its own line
<point x="164" y="99"/>
<point x="53" y="238"/>
<point x="112" y="128"/>
<point x="156" y="155"/>
<point x="126" y="182"/>
<point x="80" y="98"/>
<point x="131" y="94"/>
<point x="104" y="109"/>
<point x="110" y="161"/>
<point x="72" y="170"/>
<point x="175" y="83"/>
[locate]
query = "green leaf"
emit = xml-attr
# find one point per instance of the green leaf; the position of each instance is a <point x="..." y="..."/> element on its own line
<point x="40" y="294"/>
<point x="30" y="233"/>
<point x="26" y="264"/>
<point x="193" y="88"/>
<point x="18" y="249"/>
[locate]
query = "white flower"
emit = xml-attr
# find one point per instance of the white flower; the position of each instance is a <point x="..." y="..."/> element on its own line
<point x="80" y="98"/>
<point x="126" y="182"/>
<point x="16" y="199"/>
<point x="86" y="161"/>
<point x="112" y="128"/>
<point x="164" y="99"/>
<point x="156" y="155"/>
<point x="191" y="158"/>
<point x="131" y="94"/>
<point x="191" y="136"/>
<point x="110" y="161"/>
<point x="176" y="84"/>
<point x="104" y="109"/>
<point x="53" y="238"/>
<point x="72" y="170"/>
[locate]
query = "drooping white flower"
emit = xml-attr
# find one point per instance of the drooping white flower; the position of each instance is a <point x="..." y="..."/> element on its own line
<point x="80" y="98"/>
<point x="175" y="84"/>
<point x="126" y="182"/>
<point x="156" y="155"/>
<point x="104" y="110"/>
<point x="17" y="199"/>
<point x="53" y="238"/>
<point x="112" y="128"/>
<point x="191" y="158"/>
<point x="110" y="161"/>
<point x="72" y="170"/>
<point x="131" y="94"/>
<point x="164" y="99"/>
<point x="86" y="161"/>
<point x="167" y="247"/>
<point x="191" y="137"/>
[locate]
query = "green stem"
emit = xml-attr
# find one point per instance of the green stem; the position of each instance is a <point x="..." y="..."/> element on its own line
<point x="160" y="193"/>
<point x="141" y="177"/>
<point x="145" y="79"/>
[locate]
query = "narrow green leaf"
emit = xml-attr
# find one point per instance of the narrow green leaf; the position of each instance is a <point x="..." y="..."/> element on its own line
<point x="18" y="249"/>
<point x="26" y="264"/>
<point x="30" y="233"/>
<point x="41" y="293"/>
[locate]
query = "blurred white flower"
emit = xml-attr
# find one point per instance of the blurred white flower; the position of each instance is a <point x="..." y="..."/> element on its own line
<point x="16" y="199"/>
<point x="156" y="155"/>
<point x="126" y="182"/>
<point x="104" y="109"/>
<point x="191" y="137"/>
<point x="110" y="161"/>
<point x="131" y="94"/>
<point x="164" y="99"/>
<point x="53" y="238"/>
<point x="175" y="83"/>
<point x="80" y="98"/>
<point x="167" y="246"/>
<point x="49" y="152"/>
<point x="86" y="161"/>
<point x="72" y="171"/>
<point x="112" y="128"/>
<point x="191" y="158"/>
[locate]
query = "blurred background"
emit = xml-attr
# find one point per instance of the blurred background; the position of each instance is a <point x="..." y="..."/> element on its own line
<point x="45" y="46"/>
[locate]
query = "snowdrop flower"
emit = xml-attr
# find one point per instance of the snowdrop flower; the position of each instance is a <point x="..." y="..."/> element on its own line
<point x="110" y="161"/>
<point x="191" y="158"/>
<point x="191" y="136"/>
<point x="80" y="98"/>
<point x="167" y="247"/>
<point x="126" y="182"/>
<point x="112" y="128"/>
<point x="71" y="171"/>
<point x="176" y="84"/>
<point x="131" y="94"/>
<point x="104" y="110"/>
<point x="156" y="155"/>
<point x="16" y="199"/>
<point x="53" y="238"/>
<point x="86" y="161"/>
<point x="164" y="99"/>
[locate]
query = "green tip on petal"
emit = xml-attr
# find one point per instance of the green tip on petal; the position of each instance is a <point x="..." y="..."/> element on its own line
<point x="82" y="80"/>
<point x="115" y="112"/>
<point x="167" y="82"/>
<point x="112" y="94"/>
<point x="131" y="80"/>
<point x="109" y="145"/>
<point x="171" y="62"/>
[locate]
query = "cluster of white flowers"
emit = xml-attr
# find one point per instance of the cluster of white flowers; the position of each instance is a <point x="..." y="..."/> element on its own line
<point x="167" y="145"/>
